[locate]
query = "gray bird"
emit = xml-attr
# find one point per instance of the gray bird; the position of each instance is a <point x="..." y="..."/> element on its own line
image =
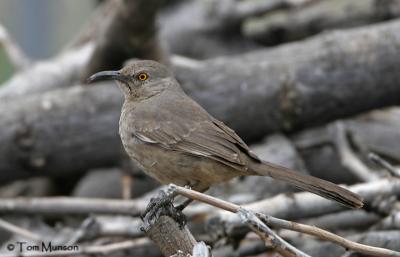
<point x="174" y="140"/>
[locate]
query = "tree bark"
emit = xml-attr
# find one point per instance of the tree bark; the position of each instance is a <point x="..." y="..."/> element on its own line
<point x="170" y="237"/>
<point x="376" y="131"/>
<point x="131" y="33"/>
<point x="60" y="133"/>
<point x="297" y="23"/>
<point x="299" y="85"/>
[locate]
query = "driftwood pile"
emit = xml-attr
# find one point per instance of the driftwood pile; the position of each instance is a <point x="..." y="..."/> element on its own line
<point x="310" y="84"/>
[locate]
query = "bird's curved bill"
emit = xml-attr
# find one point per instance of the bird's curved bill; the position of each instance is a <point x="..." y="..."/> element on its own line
<point x="107" y="75"/>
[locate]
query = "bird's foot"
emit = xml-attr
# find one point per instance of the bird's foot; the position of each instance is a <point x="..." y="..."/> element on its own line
<point x="162" y="205"/>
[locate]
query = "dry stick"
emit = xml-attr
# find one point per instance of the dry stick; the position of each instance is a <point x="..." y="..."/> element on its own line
<point x="14" y="53"/>
<point x="240" y="10"/>
<point x="303" y="204"/>
<point x="348" y="158"/>
<point x="386" y="165"/>
<point x="280" y="223"/>
<point x="66" y="205"/>
<point x="268" y="235"/>
<point x="19" y="231"/>
<point x="87" y="225"/>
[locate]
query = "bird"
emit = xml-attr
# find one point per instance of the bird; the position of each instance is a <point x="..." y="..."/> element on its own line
<point x="175" y="140"/>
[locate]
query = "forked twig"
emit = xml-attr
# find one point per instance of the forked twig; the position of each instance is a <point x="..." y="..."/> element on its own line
<point x="285" y="224"/>
<point x="384" y="164"/>
<point x="268" y="235"/>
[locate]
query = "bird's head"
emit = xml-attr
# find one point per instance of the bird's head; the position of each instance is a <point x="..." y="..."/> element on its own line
<point x="139" y="79"/>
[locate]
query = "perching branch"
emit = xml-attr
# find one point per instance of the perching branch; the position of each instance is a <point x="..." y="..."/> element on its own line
<point x="294" y="206"/>
<point x="280" y="223"/>
<point x="268" y="235"/>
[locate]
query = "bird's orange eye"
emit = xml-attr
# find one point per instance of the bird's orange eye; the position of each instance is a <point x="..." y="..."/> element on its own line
<point x="143" y="76"/>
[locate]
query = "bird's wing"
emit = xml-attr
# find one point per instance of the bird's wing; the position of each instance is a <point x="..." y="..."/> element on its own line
<point x="204" y="138"/>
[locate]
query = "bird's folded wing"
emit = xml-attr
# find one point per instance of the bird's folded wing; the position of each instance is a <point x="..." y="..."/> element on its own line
<point x="208" y="138"/>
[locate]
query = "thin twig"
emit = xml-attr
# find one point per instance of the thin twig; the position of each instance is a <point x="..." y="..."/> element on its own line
<point x="19" y="231"/>
<point x="384" y="164"/>
<point x="348" y="158"/>
<point x="326" y="235"/>
<point x="14" y="53"/>
<point x="268" y="235"/>
<point x="281" y="223"/>
<point x="87" y="227"/>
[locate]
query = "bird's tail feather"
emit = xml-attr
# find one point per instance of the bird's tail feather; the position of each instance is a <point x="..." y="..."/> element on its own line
<point x="308" y="183"/>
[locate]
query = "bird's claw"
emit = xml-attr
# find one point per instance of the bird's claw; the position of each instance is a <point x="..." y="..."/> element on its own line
<point x="162" y="205"/>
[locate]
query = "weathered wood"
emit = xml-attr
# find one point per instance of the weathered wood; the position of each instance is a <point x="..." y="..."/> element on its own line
<point x="131" y="33"/>
<point x="376" y="131"/>
<point x="387" y="239"/>
<point x="192" y="30"/>
<point x="58" y="72"/>
<point x="67" y="205"/>
<point x="303" y="84"/>
<point x="297" y="23"/>
<point x="288" y="88"/>
<point x="60" y="133"/>
<point x="170" y="237"/>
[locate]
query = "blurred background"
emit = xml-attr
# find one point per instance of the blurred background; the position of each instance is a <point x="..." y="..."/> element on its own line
<point x="41" y="27"/>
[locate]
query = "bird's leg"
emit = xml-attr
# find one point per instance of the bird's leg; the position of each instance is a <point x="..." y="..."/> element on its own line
<point x="183" y="205"/>
<point x="126" y="181"/>
<point x="188" y="201"/>
<point x="163" y="205"/>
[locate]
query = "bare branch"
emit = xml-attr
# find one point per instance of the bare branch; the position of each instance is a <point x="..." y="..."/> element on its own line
<point x="231" y="12"/>
<point x="326" y="235"/>
<point x="280" y="223"/>
<point x="344" y="220"/>
<point x="19" y="231"/>
<point x="349" y="159"/>
<point x="65" y="205"/>
<point x="122" y="226"/>
<point x="383" y="163"/>
<point x="15" y="54"/>
<point x="391" y="222"/>
<point x="303" y="205"/>
<point x="298" y="23"/>
<point x="61" y="71"/>
<point x="268" y="235"/>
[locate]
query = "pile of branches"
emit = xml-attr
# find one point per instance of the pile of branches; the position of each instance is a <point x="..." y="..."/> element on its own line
<point x="311" y="84"/>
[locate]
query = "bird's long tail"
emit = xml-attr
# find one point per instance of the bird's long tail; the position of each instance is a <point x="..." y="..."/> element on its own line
<point x="311" y="184"/>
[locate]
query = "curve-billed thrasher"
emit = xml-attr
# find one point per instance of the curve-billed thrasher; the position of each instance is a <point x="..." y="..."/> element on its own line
<point x="172" y="138"/>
